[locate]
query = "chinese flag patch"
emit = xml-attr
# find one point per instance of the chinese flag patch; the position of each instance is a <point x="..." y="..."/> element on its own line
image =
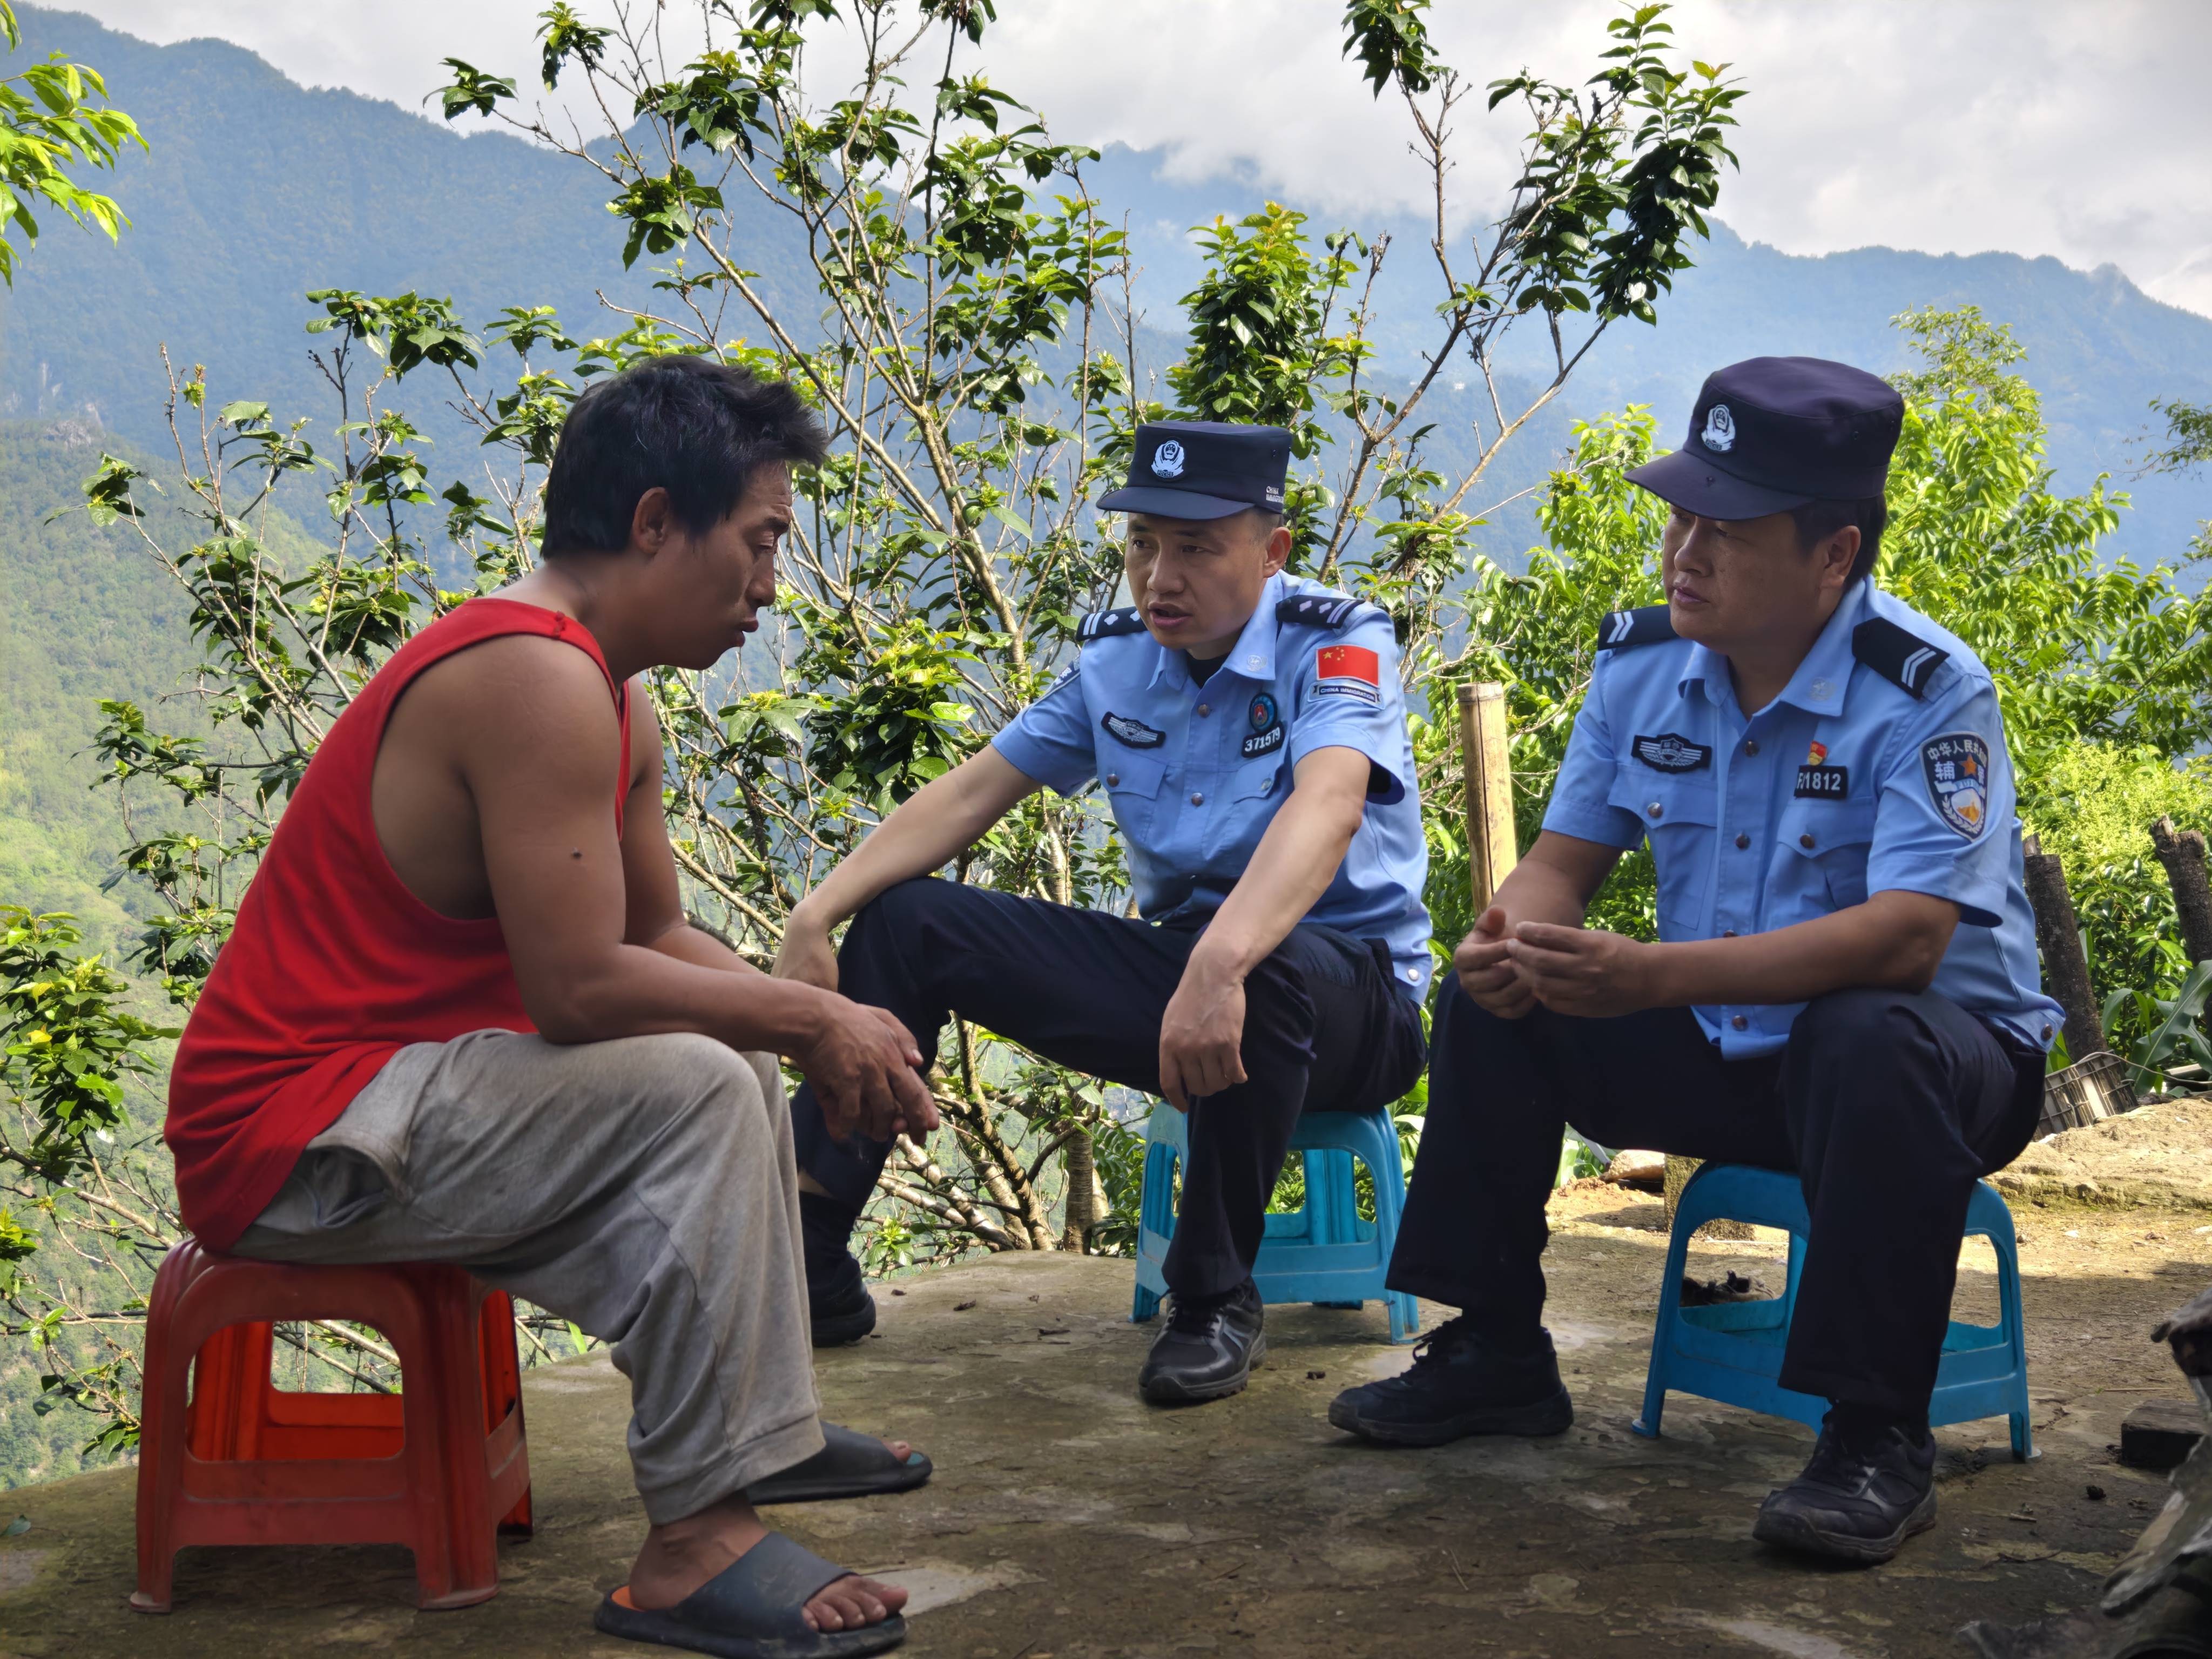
<point x="1348" y="671"/>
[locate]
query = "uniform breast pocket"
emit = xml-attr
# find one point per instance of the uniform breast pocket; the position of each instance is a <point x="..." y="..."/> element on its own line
<point x="1825" y="845"/>
<point x="1678" y="811"/>
<point x="1247" y="808"/>
<point x="1132" y="789"/>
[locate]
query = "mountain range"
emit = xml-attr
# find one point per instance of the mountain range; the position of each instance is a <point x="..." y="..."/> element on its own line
<point x="257" y="189"/>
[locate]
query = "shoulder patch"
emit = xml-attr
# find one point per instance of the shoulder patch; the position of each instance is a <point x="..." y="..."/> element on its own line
<point x="1904" y="658"/>
<point x="1329" y="611"/>
<point x="1100" y="623"/>
<point x="1646" y="625"/>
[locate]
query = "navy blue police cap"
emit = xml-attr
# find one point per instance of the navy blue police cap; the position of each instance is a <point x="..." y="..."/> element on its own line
<point x="1769" y="433"/>
<point x="1203" y="470"/>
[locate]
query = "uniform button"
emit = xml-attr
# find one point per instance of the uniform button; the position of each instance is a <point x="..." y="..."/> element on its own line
<point x="1742" y="841"/>
<point x="1739" y="1022"/>
<point x="1728" y="933"/>
<point x="1805" y="841"/>
<point x="1654" y="809"/>
<point x="2047" y="1034"/>
<point x="1198" y="800"/>
<point x="1204" y="710"/>
<point x="1751" y="747"/>
<point x="1113" y="780"/>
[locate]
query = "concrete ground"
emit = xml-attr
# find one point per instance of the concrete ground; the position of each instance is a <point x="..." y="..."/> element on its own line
<point x="1068" y="1519"/>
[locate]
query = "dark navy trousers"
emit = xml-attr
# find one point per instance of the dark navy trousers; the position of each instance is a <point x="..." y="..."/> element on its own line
<point x="1888" y="1105"/>
<point x="1324" y="1026"/>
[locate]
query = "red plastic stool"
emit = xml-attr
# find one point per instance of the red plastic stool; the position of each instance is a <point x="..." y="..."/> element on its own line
<point x="245" y="1462"/>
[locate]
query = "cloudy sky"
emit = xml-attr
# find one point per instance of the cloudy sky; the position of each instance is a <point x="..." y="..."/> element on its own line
<point x="2062" y="127"/>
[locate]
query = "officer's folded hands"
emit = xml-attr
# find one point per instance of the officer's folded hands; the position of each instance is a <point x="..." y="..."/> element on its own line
<point x="1248" y="729"/>
<point x="1846" y="983"/>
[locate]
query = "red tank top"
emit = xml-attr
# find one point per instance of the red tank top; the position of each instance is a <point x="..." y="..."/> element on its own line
<point x="333" y="966"/>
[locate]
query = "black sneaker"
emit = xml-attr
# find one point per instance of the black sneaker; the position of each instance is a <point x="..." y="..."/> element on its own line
<point x="1867" y="1488"/>
<point x="838" y="1304"/>
<point x="1460" y="1383"/>
<point x="1207" y="1350"/>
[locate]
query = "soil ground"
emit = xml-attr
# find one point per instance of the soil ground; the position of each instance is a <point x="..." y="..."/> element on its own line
<point x="1067" y="1519"/>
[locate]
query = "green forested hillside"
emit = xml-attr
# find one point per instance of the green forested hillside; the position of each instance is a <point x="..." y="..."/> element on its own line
<point x="84" y="614"/>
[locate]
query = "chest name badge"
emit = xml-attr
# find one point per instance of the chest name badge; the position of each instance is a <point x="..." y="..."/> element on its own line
<point x="1348" y="671"/>
<point x="1135" y="733"/>
<point x="1816" y="782"/>
<point x="1957" y="767"/>
<point x="1673" y="752"/>
<point x="1267" y="728"/>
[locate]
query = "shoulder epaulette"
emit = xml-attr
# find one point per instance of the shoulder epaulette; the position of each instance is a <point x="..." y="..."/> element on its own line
<point x="1897" y="655"/>
<point x="1646" y="625"/>
<point x="1331" y="610"/>
<point x="1100" y="623"/>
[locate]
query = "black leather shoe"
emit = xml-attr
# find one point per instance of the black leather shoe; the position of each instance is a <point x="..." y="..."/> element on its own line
<point x="1865" y="1491"/>
<point x="838" y="1304"/>
<point x="1460" y="1383"/>
<point x="1207" y="1350"/>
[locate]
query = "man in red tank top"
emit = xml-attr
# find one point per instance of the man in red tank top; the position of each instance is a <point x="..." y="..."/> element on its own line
<point x="462" y="1016"/>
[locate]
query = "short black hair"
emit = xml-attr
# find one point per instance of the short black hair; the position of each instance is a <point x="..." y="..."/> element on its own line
<point x="694" y="426"/>
<point x="1818" y="520"/>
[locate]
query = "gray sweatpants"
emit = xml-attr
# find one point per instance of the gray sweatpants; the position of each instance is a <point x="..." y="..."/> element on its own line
<point x="644" y="1188"/>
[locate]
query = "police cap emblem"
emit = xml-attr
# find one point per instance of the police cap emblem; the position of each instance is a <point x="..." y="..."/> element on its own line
<point x="1720" y="429"/>
<point x="1167" y="460"/>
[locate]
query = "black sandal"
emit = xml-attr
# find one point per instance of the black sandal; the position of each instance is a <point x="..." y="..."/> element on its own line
<point x="754" y="1608"/>
<point x="849" y="1465"/>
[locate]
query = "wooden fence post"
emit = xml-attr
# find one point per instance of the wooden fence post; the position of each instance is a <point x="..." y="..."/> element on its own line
<point x="2182" y="853"/>
<point x="2064" y="967"/>
<point x="1486" y="756"/>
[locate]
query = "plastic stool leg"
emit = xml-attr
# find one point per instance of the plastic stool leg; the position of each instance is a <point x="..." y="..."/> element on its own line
<point x="471" y="1547"/>
<point x="1405" y="1317"/>
<point x="1670" y="1307"/>
<point x="1386" y="1169"/>
<point x="161" y="1438"/>
<point x="1998" y="1218"/>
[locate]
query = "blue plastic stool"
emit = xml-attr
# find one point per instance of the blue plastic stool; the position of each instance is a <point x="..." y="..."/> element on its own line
<point x="1731" y="1351"/>
<point x="1325" y="1253"/>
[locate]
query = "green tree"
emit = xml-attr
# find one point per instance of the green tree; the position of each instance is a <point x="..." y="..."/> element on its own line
<point x="54" y="117"/>
<point x="2188" y="447"/>
<point x="2082" y="648"/>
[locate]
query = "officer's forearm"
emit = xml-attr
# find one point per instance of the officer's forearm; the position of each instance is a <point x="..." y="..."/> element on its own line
<point x="1894" y="941"/>
<point x="935" y="825"/>
<point x="1292" y="866"/>
<point x="1554" y="882"/>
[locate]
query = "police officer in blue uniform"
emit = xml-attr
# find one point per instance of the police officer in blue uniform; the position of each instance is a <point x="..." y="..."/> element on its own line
<point x="1847" y="983"/>
<point x="1248" y="730"/>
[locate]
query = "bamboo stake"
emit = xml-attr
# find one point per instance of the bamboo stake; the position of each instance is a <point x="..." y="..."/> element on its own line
<point x="1485" y="753"/>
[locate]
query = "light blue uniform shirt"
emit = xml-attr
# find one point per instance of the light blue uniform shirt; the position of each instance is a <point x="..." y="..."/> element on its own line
<point x="1196" y="773"/>
<point x="1845" y="785"/>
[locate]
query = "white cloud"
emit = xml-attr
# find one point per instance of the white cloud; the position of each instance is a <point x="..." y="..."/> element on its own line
<point x="2036" y="126"/>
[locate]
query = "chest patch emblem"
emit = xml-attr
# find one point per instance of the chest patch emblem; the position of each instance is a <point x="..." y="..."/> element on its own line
<point x="1135" y="733"/>
<point x="1671" y="751"/>
<point x="1957" y="767"/>
<point x="1348" y="671"/>
<point x="1267" y="727"/>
